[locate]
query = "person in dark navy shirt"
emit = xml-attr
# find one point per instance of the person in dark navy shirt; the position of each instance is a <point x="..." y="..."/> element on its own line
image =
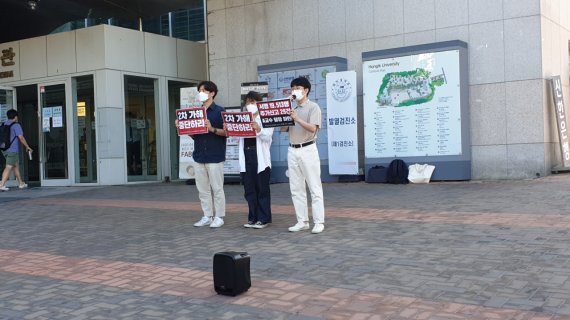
<point x="210" y="155"/>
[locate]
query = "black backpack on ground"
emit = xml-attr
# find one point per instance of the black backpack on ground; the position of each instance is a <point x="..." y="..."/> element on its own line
<point x="397" y="172"/>
<point x="376" y="174"/>
<point x="5" y="141"/>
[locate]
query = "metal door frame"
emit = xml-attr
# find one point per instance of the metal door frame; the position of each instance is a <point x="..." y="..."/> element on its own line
<point x="69" y="136"/>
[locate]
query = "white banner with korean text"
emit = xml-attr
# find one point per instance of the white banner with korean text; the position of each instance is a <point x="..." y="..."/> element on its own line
<point x="342" y="122"/>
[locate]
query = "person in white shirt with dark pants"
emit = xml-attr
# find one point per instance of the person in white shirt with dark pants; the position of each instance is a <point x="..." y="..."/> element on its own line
<point x="255" y="168"/>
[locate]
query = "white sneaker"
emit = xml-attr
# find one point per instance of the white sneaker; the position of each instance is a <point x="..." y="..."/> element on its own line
<point x="249" y="224"/>
<point x="203" y="222"/>
<point x="260" y="225"/>
<point x="23" y="186"/>
<point x="299" y="226"/>
<point x="4" y="188"/>
<point x="318" y="228"/>
<point x="218" y="222"/>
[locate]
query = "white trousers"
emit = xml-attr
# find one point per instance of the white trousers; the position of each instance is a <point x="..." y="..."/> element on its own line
<point x="210" y="182"/>
<point x="305" y="168"/>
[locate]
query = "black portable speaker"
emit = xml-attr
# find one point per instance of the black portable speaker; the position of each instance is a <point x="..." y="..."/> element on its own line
<point x="231" y="273"/>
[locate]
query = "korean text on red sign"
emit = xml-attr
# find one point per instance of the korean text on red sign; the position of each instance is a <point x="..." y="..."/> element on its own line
<point x="276" y="113"/>
<point x="239" y="124"/>
<point x="191" y="121"/>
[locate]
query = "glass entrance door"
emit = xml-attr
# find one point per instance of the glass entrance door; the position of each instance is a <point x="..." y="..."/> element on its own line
<point x="140" y="125"/>
<point x="54" y="147"/>
<point x="85" y="129"/>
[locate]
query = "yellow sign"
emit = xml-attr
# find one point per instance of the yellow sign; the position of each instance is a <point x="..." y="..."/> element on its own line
<point x="81" y="109"/>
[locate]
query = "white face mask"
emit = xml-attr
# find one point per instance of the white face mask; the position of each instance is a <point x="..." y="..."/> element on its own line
<point x="251" y="108"/>
<point x="297" y="94"/>
<point x="202" y="96"/>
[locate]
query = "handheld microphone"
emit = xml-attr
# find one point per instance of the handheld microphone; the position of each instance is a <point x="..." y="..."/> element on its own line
<point x="294" y="97"/>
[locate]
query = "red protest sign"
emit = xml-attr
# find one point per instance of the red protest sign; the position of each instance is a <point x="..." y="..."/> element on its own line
<point x="276" y="113"/>
<point x="191" y="121"/>
<point x="239" y="124"/>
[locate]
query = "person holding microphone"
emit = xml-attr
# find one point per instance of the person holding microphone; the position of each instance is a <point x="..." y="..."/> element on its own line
<point x="303" y="162"/>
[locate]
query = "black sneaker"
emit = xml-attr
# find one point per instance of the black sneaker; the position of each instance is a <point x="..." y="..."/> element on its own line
<point x="260" y="225"/>
<point x="249" y="224"/>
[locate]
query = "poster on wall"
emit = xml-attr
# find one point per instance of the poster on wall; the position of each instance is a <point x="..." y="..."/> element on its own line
<point x="3" y="110"/>
<point x="47" y="113"/>
<point x="57" y="117"/>
<point x="412" y="105"/>
<point x="342" y="124"/>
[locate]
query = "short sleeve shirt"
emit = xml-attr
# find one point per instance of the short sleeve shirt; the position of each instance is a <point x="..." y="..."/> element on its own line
<point x="209" y="147"/>
<point x="311" y="113"/>
<point x="15" y="132"/>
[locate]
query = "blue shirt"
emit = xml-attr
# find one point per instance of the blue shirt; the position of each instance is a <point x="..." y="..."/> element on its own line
<point x="15" y="132"/>
<point x="209" y="147"/>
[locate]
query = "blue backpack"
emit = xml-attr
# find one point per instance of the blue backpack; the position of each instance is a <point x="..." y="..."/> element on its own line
<point x="5" y="141"/>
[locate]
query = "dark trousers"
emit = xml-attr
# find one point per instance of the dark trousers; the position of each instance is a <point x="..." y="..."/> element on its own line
<point x="134" y="164"/>
<point x="256" y="187"/>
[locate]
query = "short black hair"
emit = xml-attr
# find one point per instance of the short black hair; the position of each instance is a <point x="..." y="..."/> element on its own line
<point x="11" y="114"/>
<point x="209" y="86"/>
<point x="252" y="95"/>
<point x="301" y="82"/>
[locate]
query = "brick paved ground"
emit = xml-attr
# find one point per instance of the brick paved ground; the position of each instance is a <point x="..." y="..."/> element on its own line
<point x="473" y="250"/>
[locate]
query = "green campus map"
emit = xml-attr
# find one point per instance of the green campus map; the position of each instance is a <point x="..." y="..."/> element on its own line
<point x="407" y="88"/>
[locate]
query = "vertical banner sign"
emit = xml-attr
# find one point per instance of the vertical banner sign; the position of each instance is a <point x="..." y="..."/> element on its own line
<point x="342" y="124"/>
<point x="561" y="120"/>
<point x="188" y="99"/>
<point x="231" y="165"/>
<point x="276" y="113"/>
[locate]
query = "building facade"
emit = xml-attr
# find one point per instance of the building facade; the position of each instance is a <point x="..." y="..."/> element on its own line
<point x="514" y="48"/>
<point x="97" y="104"/>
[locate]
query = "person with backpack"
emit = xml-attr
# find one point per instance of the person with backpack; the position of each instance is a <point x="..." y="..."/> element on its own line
<point x="11" y="150"/>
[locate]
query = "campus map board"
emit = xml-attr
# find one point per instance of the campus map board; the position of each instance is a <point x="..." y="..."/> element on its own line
<point x="412" y="105"/>
<point x="416" y="107"/>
